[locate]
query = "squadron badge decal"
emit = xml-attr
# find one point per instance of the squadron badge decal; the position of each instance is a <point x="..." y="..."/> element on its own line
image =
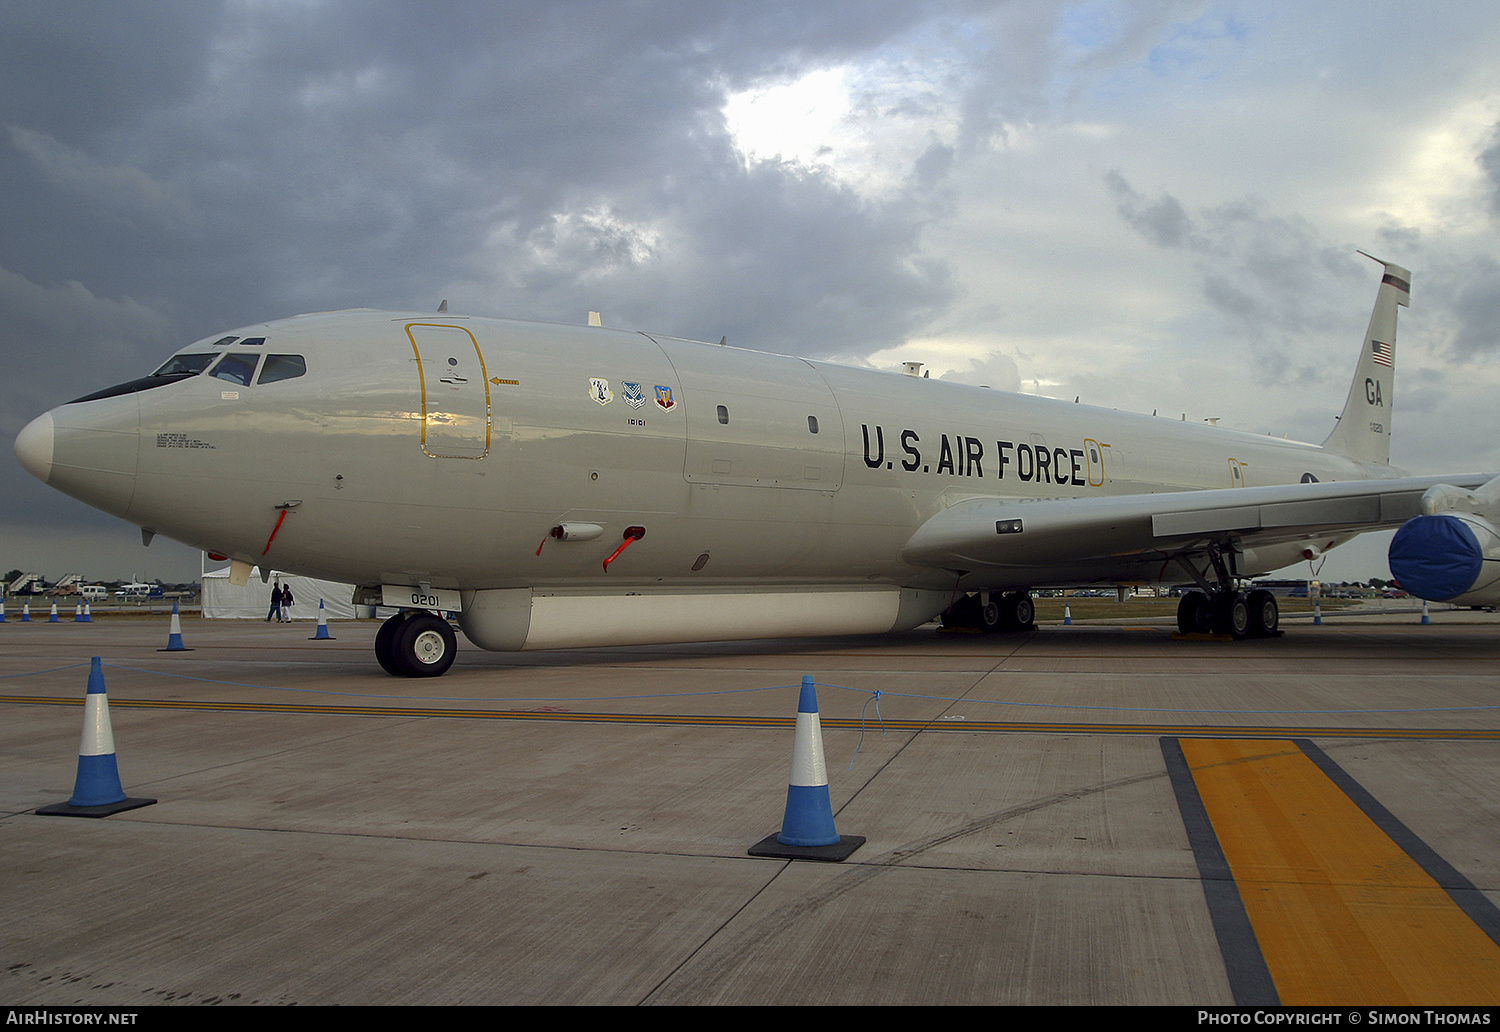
<point x="664" y="400"/>
<point x="599" y="390"/>
<point x="635" y="396"/>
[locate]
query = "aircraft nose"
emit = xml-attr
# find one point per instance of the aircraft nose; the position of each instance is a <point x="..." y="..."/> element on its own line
<point x="88" y="449"/>
<point x="34" y="447"/>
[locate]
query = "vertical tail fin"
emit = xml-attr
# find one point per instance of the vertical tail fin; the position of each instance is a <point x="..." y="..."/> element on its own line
<point x="1364" y="427"/>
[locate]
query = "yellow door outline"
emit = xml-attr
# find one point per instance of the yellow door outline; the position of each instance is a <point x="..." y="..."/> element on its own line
<point x="422" y="381"/>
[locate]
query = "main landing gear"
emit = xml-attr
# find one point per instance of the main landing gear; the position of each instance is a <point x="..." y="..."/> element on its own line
<point x="1222" y="609"/>
<point x="992" y="612"/>
<point x="1235" y="613"/>
<point x="415" y="643"/>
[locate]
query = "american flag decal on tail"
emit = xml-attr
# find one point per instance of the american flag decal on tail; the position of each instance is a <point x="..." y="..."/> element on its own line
<point x="1383" y="354"/>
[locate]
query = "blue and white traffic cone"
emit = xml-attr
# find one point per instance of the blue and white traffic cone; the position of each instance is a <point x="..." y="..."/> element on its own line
<point x="1067" y="613"/>
<point x="1425" y="618"/>
<point x="78" y="612"/>
<point x="26" y="612"/>
<point x="2" y="612"/>
<point x="174" y="634"/>
<point x="53" y="617"/>
<point x="86" y="617"/>
<point x="1317" y="612"/>
<point x="96" y="790"/>
<point x="807" y="831"/>
<point x="322" y="634"/>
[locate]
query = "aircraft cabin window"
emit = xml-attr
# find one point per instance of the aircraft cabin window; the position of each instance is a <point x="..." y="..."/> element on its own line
<point x="282" y="367"/>
<point x="812" y="424"/>
<point x="723" y="414"/>
<point x="237" y="367"/>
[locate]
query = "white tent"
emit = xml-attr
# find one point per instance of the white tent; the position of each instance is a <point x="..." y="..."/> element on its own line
<point x="225" y="601"/>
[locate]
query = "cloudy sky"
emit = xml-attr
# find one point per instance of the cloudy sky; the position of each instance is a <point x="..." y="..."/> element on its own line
<point x="1151" y="205"/>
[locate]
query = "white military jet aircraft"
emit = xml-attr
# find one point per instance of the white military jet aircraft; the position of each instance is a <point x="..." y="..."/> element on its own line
<point x="562" y="486"/>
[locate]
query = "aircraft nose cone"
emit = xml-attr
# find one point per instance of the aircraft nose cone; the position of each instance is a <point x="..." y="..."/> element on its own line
<point x="87" y="450"/>
<point x="34" y="447"/>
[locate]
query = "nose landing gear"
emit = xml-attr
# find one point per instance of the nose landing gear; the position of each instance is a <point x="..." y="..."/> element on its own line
<point x="416" y="643"/>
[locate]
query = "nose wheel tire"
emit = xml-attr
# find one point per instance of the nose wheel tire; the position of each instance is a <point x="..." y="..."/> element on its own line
<point x="421" y="645"/>
<point x="385" y="639"/>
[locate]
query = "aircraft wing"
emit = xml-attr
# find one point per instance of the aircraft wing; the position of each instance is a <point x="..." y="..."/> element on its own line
<point x="1017" y="534"/>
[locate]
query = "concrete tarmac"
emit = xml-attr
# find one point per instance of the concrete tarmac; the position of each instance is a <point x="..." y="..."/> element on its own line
<point x="1093" y="814"/>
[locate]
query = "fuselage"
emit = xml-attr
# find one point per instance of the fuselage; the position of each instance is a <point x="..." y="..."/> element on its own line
<point x="385" y="448"/>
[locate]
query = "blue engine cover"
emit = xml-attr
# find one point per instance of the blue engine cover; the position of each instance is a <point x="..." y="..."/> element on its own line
<point x="1436" y="557"/>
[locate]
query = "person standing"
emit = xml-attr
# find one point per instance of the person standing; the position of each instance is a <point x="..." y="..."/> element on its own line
<point x="286" y="604"/>
<point x="276" y="600"/>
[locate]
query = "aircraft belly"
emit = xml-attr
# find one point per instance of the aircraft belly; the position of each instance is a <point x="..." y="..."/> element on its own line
<point x="510" y="620"/>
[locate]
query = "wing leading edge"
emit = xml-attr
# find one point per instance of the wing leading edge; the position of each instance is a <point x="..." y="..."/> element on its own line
<point x="1004" y="539"/>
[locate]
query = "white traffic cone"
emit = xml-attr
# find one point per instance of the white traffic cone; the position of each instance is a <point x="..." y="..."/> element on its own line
<point x="322" y="634"/>
<point x="96" y="790"/>
<point x="807" y="831"/>
<point x="174" y="634"/>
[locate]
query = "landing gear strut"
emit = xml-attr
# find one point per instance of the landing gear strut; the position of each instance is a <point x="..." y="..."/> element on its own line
<point x="415" y="643"/>
<point x="1222" y="609"/>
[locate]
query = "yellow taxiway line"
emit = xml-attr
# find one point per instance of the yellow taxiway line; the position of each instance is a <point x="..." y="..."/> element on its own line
<point x="1342" y="913"/>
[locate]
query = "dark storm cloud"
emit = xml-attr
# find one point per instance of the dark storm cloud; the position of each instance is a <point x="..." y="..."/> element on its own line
<point x="1163" y="221"/>
<point x="1474" y="300"/>
<point x="87" y="67"/>
<point x="273" y="157"/>
<point x="175" y="169"/>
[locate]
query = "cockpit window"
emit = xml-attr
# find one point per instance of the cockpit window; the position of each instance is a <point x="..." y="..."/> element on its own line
<point x="185" y="365"/>
<point x="237" y="367"/>
<point x="224" y="340"/>
<point x="282" y="367"/>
